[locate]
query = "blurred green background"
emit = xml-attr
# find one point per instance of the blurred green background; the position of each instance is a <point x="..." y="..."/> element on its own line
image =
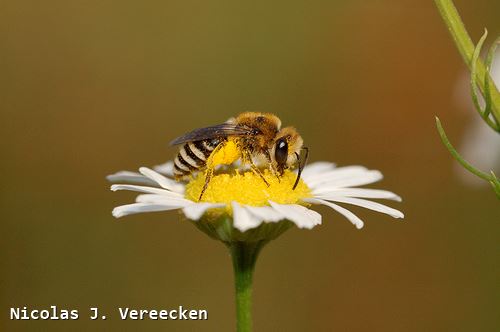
<point x="88" y="88"/>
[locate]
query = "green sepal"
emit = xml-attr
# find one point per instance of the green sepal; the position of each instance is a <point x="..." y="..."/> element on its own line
<point x="219" y="226"/>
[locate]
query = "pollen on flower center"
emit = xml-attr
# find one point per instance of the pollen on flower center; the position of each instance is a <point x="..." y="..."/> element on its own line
<point x="248" y="188"/>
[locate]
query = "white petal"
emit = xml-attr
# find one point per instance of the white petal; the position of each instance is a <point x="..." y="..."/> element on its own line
<point x="317" y="167"/>
<point x="131" y="177"/>
<point x="369" y="205"/>
<point x="144" y="189"/>
<point x="265" y="213"/>
<point x="360" y="179"/>
<point x="334" y="174"/>
<point x="126" y="210"/>
<point x="161" y="180"/>
<point x="301" y="216"/>
<point x="194" y="211"/>
<point x="326" y="193"/>
<point x="346" y="213"/>
<point x="162" y="199"/>
<point x="243" y="219"/>
<point x="166" y="168"/>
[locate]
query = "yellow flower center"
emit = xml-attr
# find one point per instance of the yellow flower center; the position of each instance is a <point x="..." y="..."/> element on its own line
<point x="248" y="188"/>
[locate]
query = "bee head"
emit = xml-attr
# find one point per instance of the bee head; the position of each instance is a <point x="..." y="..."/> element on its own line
<point x="286" y="148"/>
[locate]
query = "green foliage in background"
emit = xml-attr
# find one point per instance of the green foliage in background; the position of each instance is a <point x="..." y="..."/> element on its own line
<point x="480" y="81"/>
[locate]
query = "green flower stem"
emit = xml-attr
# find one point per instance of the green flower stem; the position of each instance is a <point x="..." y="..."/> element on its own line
<point x="466" y="48"/>
<point x="244" y="255"/>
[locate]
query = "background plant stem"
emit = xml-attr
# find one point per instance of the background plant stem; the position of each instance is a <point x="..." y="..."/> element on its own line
<point x="244" y="255"/>
<point x="457" y="156"/>
<point x="465" y="46"/>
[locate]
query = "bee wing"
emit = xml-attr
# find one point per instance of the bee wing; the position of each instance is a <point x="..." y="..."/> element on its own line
<point x="217" y="131"/>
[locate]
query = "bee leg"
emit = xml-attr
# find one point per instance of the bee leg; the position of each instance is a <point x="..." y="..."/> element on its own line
<point x="272" y="169"/>
<point x="276" y="173"/>
<point x="210" y="169"/>
<point x="259" y="173"/>
<point x="255" y="169"/>
<point x="208" y="177"/>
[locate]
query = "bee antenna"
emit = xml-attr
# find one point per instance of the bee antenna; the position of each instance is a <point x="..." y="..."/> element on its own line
<point x="302" y="163"/>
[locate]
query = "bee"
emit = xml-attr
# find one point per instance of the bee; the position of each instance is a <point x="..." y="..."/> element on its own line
<point x="254" y="138"/>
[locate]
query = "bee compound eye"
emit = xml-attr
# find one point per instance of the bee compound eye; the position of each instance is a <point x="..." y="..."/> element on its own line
<point x="281" y="152"/>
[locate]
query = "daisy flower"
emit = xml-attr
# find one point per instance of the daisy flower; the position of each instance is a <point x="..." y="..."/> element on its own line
<point x="239" y="209"/>
<point x="249" y="202"/>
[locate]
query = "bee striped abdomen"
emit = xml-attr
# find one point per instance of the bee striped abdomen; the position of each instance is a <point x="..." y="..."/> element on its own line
<point x="193" y="156"/>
